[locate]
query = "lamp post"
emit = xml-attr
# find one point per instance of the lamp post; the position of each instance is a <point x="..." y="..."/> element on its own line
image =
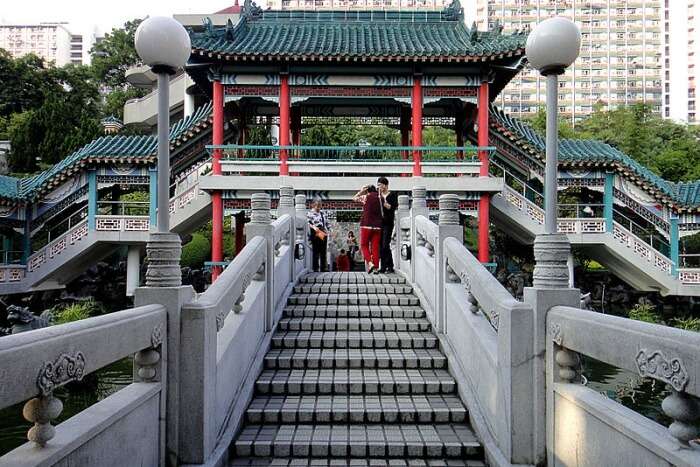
<point x="551" y="48"/>
<point x="164" y="45"/>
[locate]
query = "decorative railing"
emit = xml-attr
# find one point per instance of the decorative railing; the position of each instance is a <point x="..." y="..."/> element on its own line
<point x="351" y="153"/>
<point x="666" y="355"/>
<point x="227" y="330"/>
<point x="56" y="247"/>
<point x="122" y="223"/>
<point x="183" y="199"/>
<point x="68" y="353"/>
<point x="12" y="272"/>
<point x="639" y="247"/>
<point x="477" y="321"/>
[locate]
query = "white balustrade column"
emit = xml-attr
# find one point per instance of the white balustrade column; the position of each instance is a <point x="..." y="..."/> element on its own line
<point x="133" y="269"/>
<point x="419" y="207"/>
<point x="403" y="211"/>
<point x="448" y="227"/>
<point x="286" y="206"/>
<point x="261" y="225"/>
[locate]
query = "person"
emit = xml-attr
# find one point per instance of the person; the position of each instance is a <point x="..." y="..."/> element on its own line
<point x="319" y="236"/>
<point x="342" y="262"/>
<point x="370" y="226"/>
<point x="351" y="242"/>
<point x="390" y="201"/>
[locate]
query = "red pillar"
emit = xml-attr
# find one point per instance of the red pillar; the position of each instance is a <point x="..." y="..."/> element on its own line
<point x="417" y="124"/>
<point x="217" y="204"/>
<point x="284" y="122"/>
<point x="404" y="128"/>
<point x="483" y="141"/>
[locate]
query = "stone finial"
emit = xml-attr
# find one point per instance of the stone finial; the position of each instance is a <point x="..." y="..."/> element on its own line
<point x="163" y="253"/>
<point x="260" y="209"/>
<point x="40" y="411"/>
<point x="300" y="204"/>
<point x="551" y="255"/>
<point x="418" y="194"/>
<point x="404" y="203"/>
<point x="449" y="210"/>
<point x="286" y="197"/>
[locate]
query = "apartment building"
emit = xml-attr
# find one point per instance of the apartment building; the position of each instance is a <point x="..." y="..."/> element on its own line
<point x="52" y="41"/>
<point x="621" y="60"/>
<point x="357" y="4"/>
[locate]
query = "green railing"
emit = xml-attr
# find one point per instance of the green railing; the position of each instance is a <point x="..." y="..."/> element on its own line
<point x="351" y="153"/>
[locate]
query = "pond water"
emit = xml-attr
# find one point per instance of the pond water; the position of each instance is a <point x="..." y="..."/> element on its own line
<point x="75" y="398"/>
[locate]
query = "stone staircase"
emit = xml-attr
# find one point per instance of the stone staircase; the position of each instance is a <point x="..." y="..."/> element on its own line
<point x="355" y="377"/>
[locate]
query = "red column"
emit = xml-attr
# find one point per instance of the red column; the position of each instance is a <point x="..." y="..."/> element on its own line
<point x="239" y="227"/>
<point x="483" y="141"/>
<point x="404" y="128"/>
<point x="284" y="122"/>
<point x="217" y="205"/>
<point x="417" y="124"/>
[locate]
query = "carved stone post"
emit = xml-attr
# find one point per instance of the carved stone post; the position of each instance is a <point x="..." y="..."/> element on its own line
<point x="163" y="252"/>
<point x="550" y="288"/>
<point x="302" y="228"/>
<point x="403" y="211"/>
<point x="448" y="227"/>
<point x="261" y="225"/>
<point x="419" y="207"/>
<point x="286" y="206"/>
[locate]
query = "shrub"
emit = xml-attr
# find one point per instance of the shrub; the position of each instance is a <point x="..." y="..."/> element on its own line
<point x="687" y="323"/>
<point x="196" y="252"/>
<point x="77" y="311"/>
<point x="645" y="312"/>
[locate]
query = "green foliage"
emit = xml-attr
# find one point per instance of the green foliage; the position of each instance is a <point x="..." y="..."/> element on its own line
<point x="688" y="323"/>
<point x="670" y="149"/>
<point x="196" y="252"/>
<point x="645" y="312"/>
<point x="77" y="311"/>
<point x="115" y="54"/>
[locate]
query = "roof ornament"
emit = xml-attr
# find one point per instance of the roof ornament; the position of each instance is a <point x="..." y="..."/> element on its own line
<point x="453" y="11"/>
<point x="474" y="33"/>
<point x="208" y="27"/>
<point x="251" y="11"/>
<point x="497" y="27"/>
<point x="228" y="34"/>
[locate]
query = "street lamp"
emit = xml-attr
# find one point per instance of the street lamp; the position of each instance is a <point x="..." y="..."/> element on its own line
<point x="164" y="45"/>
<point x="551" y="48"/>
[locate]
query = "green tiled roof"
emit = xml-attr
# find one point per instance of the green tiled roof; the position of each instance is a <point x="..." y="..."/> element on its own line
<point x="575" y="152"/>
<point x="107" y="148"/>
<point x="418" y="35"/>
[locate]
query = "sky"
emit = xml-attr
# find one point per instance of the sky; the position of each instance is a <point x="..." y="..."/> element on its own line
<point x="84" y="16"/>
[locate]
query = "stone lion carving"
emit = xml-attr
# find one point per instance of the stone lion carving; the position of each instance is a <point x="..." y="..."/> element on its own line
<point x="22" y="320"/>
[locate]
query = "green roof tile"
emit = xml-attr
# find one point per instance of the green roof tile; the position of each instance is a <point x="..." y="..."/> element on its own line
<point x="356" y="34"/>
<point x="108" y="147"/>
<point x="686" y="194"/>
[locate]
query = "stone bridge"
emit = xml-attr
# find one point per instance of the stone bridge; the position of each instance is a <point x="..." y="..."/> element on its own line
<point x="435" y="365"/>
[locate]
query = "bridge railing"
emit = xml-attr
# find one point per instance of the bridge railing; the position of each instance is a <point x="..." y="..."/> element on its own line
<point x="581" y="421"/>
<point x="228" y="328"/>
<point x="34" y="364"/>
<point x="486" y="333"/>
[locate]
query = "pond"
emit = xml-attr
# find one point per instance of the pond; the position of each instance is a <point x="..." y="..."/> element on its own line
<point x="75" y="398"/>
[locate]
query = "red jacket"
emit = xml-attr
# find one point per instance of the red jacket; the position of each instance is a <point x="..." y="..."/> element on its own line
<point x="342" y="263"/>
<point x="372" y="211"/>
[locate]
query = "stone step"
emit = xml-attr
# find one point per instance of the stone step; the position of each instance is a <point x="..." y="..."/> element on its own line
<point x="433" y="441"/>
<point x="376" y="462"/>
<point x="354" y="288"/>
<point x="353" y="311"/>
<point x="355" y="381"/>
<point x="353" y="299"/>
<point x="357" y="409"/>
<point x="355" y="358"/>
<point x="354" y="324"/>
<point x="354" y="339"/>
<point x="351" y="278"/>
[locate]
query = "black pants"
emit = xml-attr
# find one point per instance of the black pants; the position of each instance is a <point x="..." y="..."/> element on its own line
<point x="387" y="260"/>
<point x="319" y="261"/>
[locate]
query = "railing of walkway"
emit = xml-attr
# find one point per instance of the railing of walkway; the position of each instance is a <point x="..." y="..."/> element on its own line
<point x="578" y="414"/>
<point x="517" y="364"/>
<point x="478" y="322"/>
<point x="34" y="364"/>
<point x="227" y="329"/>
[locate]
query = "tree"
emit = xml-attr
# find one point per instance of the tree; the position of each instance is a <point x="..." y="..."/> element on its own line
<point x="111" y="58"/>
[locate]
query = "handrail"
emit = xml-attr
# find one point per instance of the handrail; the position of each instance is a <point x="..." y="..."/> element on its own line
<point x="57" y="246"/>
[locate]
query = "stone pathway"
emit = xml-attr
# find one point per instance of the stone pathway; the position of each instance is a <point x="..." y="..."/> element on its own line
<point x="355" y="377"/>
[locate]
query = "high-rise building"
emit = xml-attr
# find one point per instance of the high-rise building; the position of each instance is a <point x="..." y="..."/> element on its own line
<point x="76" y="49"/>
<point x="621" y="60"/>
<point x="52" y="41"/>
<point x="357" y="4"/>
<point x="683" y="47"/>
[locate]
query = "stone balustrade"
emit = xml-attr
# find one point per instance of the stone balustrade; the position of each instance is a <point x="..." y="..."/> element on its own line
<point x="34" y="364"/>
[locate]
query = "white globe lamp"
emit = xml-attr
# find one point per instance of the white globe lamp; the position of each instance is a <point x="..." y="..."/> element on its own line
<point x="553" y="45"/>
<point x="163" y="44"/>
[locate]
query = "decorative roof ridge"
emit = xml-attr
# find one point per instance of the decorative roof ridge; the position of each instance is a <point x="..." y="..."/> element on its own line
<point x="28" y="187"/>
<point x="581" y="146"/>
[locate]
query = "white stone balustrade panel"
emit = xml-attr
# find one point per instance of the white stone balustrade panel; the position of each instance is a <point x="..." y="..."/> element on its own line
<point x="689" y="276"/>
